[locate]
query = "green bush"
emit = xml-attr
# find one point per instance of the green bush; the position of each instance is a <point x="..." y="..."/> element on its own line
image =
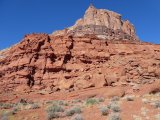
<point x="101" y="99"/>
<point x="73" y="111"/>
<point x="77" y="117"/>
<point x="53" y="110"/>
<point x="35" y="106"/>
<point x="91" y="101"/>
<point x="104" y="110"/>
<point x="6" y="105"/>
<point x="52" y="115"/>
<point x="114" y="117"/>
<point x="157" y="104"/>
<point x="115" y="98"/>
<point x="114" y="107"/>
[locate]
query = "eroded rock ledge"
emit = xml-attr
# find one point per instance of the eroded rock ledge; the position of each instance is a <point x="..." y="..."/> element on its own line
<point x="103" y="23"/>
<point x="55" y="63"/>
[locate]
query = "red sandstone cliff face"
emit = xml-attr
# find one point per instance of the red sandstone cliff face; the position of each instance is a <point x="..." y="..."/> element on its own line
<point x="53" y="64"/>
<point x="102" y="23"/>
<point x="103" y="51"/>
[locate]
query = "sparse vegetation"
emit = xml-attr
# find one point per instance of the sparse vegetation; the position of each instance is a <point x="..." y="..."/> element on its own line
<point x="157" y="104"/>
<point x="114" y="107"/>
<point x="76" y="101"/>
<point x="51" y="115"/>
<point x="77" y="117"/>
<point x="35" y="106"/>
<point x="115" y="98"/>
<point x="101" y="99"/>
<point x="52" y="111"/>
<point x="104" y="110"/>
<point x="6" y="105"/>
<point x="91" y="101"/>
<point x="55" y="108"/>
<point x="114" y="116"/>
<point x="73" y="111"/>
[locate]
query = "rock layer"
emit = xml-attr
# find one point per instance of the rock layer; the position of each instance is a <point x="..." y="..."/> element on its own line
<point x="99" y="50"/>
<point x="103" y="23"/>
<point x="50" y="63"/>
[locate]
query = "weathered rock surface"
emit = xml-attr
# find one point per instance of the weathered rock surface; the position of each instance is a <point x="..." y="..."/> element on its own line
<point x="103" y="23"/>
<point x="43" y="62"/>
<point x="70" y="62"/>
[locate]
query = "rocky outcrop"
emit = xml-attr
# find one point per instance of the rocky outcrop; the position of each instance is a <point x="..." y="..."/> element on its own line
<point x="99" y="50"/>
<point x="50" y="63"/>
<point x="104" y="24"/>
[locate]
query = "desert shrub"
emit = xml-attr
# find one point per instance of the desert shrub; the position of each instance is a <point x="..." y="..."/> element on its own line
<point x="52" y="115"/>
<point x="35" y="106"/>
<point x="114" y="107"/>
<point x="104" y="110"/>
<point x="115" y="98"/>
<point x="76" y="101"/>
<point x="55" y="108"/>
<point x="77" y="117"/>
<point x="157" y="104"/>
<point x="73" y="111"/>
<point x="114" y="116"/>
<point x="91" y="101"/>
<point x="101" y="99"/>
<point x="52" y="111"/>
<point x="6" y="105"/>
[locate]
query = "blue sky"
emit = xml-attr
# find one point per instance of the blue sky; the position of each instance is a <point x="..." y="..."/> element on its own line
<point x="20" y="17"/>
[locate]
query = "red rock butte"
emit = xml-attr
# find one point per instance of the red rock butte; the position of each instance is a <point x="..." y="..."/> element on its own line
<point x="100" y="50"/>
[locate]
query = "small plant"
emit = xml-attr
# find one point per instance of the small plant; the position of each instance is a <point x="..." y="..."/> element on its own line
<point x="76" y="101"/>
<point x="77" y="117"/>
<point x="114" y="116"/>
<point x="35" y="106"/>
<point x="53" y="110"/>
<point x="104" y="110"/>
<point x="91" y="101"/>
<point x="101" y="99"/>
<point x="157" y="104"/>
<point x="73" y="111"/>
<point x="114" y="107"/>
<point x="52" y="115"/>
<point x="6" y="105"/>
<point x="115" y="98"/>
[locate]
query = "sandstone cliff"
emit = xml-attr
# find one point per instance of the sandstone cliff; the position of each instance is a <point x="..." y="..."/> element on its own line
<point x="103" y="23"/>
<point x="80" y="58"/>
<point x="53" y="63"/>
